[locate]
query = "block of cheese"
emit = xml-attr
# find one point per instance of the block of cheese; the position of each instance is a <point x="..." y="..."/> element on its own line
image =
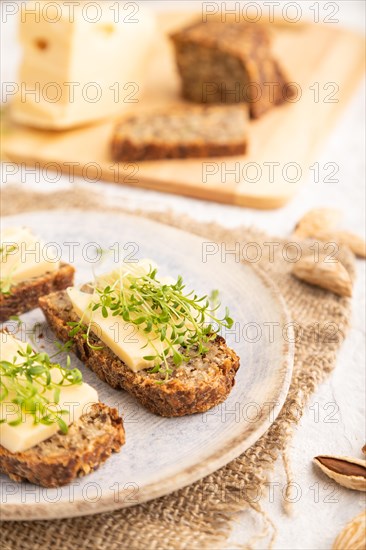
<point x="75" y="400"/>
<point x="126" y="340"/>
<point x="82" y="61"/>
<point x="23" y="256"/>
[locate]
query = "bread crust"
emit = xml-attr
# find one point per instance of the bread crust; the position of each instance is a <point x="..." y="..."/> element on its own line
<point x="24" y="296"/>
<point x="189" y="390"/>
<point x="50" y="465"/>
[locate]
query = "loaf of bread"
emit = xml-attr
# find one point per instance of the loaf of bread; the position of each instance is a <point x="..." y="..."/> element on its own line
<point x="229" y="63"/>
<point x="195" y="386"/>
<point x="182" y="132"/>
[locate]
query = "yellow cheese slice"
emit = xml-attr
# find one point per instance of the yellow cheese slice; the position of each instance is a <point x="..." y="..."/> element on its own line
<point x="124" y="339"/>
<point x="76" y="400"/>
<point x="23" y="256"/>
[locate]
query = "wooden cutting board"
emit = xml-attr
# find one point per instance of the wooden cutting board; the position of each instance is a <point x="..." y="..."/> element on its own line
<point x="326" y="62"/>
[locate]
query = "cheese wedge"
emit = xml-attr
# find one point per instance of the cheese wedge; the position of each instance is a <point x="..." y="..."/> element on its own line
<point x="82" y="61"/>
<point x="76" y="400"/>
<point x="23" y="256"/>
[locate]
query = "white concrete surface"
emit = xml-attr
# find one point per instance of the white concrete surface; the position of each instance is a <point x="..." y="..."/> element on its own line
<point x="334" y="421"/>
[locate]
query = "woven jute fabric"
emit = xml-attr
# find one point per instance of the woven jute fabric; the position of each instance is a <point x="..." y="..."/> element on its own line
<point x="199" y="516"/>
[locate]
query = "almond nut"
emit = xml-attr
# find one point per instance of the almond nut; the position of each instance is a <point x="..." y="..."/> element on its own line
<point x="354" y="242"/>
<point x="348" y="472"/>
<point x="353" y="536"/>
<point x="331" y="276"/>
<point x="318" y="219"/>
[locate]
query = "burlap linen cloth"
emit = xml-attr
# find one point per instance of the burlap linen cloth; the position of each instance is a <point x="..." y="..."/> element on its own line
<point x="198" y="516"/>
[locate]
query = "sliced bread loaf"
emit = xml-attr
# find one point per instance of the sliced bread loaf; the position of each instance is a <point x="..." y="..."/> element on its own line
<point x="192" y="131"/>
<point x="230" y="62"/>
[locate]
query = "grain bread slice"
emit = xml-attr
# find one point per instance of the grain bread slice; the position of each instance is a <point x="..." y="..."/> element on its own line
<point x="63" y="457"/>
<point x="192" y="131"/>
<point x="195" y="386"/>
<point x="230" y="62"/>
<point x="24" y="296"/>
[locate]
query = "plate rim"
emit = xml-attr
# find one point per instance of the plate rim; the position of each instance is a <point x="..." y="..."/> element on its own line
<point x="188" y="475"/>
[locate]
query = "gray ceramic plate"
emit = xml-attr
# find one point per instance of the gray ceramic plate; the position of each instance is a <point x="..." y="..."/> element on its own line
<point x="162" y="455"/>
